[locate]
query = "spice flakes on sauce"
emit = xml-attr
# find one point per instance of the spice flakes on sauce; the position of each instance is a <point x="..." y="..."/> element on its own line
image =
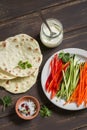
<point x="27" y="108"/>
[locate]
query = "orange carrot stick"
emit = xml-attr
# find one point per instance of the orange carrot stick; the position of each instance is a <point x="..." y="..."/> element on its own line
<point x="80" y="93"/>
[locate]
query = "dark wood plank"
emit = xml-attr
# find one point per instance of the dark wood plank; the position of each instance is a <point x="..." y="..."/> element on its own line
<point x="72" y="14"/>
<point x="27" y="24"/>
<point x="64" y="120"/>
<point x="31" y="23"/>
<point x="12" y="9"/>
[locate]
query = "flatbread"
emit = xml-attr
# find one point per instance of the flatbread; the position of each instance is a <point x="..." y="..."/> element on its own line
<point x="5" y="75"/>
<point x="21" y="47"/>
<point x="13" y="50"/>
<point x="19" y="85"/>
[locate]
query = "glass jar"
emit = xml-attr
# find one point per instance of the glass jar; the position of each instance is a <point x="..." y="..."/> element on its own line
<point x="56" y="27"/>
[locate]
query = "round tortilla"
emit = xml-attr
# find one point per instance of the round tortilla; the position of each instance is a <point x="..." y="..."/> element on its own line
<point x="5" y="75"/>
<point x="19" y="48"/>
<point x="19" y="85"/>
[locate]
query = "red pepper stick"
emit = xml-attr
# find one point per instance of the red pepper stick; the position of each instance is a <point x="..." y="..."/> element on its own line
<point x="55" y="78"/>
<point x="48" y="81"/>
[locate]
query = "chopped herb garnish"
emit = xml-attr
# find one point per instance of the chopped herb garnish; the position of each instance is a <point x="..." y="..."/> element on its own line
<point x="5" y="101"/>
<point x="45" y="112"/>
<point x="64" y="56"/>
<point x="24" y="65"/>
<point x="29" y="65"/>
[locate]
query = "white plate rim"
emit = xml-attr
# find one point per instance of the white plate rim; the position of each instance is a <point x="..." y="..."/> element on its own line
<point x="55" y="101"/>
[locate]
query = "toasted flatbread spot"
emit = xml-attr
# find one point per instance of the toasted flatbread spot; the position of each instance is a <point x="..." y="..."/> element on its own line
<point x="29" y="48"/>
<point x="31" y="39"/>
<point x="39" y="59"/>
<point x="36" y="49"/>
<point x="26" y="39"/>
<point x="7" y="82"/>
<point x="16" y="90"/>
<point x="17" y="46"/>
<point x="22" y="39"/>
<point x="14" y="40"/>
<point x="4" y="44"/>
<point x="16" y="86"/>
<point x="22" y="35"/>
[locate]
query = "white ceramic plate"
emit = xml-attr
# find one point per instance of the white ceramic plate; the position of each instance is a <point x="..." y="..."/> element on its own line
<point x="82" y="55"/>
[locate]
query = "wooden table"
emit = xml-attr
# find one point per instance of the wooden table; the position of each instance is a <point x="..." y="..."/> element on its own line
<point x="21" y="16"/>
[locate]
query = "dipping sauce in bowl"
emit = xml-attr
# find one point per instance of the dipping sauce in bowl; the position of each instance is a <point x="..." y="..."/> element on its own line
<point x="27" y="107"/>
<point x="56" y="27"/>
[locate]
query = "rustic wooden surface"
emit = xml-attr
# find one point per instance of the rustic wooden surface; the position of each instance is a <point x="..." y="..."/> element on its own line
<point x="21" y="16"/>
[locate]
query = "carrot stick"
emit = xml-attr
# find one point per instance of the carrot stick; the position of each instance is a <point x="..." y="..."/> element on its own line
<point x="80" y="93"/>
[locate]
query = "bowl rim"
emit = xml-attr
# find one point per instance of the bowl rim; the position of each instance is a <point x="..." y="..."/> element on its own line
<point x="35" y="100"/>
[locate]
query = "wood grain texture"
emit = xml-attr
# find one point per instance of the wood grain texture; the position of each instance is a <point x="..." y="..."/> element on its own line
<point x="12" y="9"/>
<point x="73" y="16"/>
<point x="30" y="24"/>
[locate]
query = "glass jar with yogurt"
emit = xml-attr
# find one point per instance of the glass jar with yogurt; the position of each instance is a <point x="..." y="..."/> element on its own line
<point x="56" y="27"/>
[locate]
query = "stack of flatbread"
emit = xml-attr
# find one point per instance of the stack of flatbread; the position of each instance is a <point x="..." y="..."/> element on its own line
<point x="20" y="48"/>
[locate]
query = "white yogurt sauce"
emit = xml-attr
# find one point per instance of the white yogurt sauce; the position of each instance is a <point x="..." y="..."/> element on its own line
<point x="56" y="27"/>
<point x="29" y="110"/>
